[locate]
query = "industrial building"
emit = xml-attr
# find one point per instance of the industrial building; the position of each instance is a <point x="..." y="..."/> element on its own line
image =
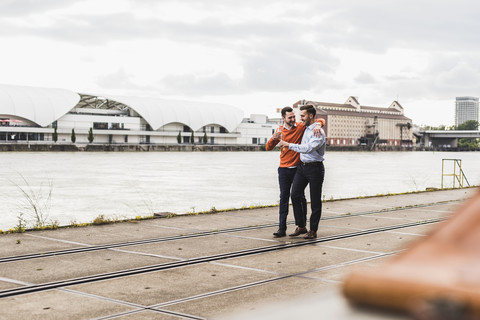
<point x="352" y="124"/>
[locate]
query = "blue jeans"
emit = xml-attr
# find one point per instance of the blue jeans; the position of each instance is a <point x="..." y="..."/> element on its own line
<point x="285" y="180"/>
<point x="308" y="174"/>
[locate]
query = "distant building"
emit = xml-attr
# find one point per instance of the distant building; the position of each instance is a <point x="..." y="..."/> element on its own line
<point x="466" y="108"/>
<point x="257" y="129"/>
<point x="351" y="124"/>
<point x="35" y="115"/>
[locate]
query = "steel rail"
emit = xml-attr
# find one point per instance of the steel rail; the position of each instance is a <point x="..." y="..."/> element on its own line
<point x="194" y="261"/>
<point x="90" y="248"/>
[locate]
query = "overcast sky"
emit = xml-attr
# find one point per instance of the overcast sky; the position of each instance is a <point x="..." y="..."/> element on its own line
<point x="256" y="55"/>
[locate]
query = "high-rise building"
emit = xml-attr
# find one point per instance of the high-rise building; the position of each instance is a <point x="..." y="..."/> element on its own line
<point x="466" y="108"/>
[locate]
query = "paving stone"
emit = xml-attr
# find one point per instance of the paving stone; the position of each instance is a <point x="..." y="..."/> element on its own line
<point x="109" y="233"/>
<point x="147" y="315"/>
<point x="210" y="222"/>
<point x="163" y="286"/>
<point x="201" y="246"/>
<point x="339" y="273"/>
<point x="418" y="214"/>
<point x="377" y="242"/>
<point x="295" y="260"/>
<point x="53" y="305"/>
<point x="418" y="230"/>
<point x="74" y="265"/>
<point x="229" y="304"/>
<point x="326" y="305"/>
<point x="4" y="285"/>
<point x="365" y="222"/>
<point x="267" y="234"/>
<point x="23" y="243"/>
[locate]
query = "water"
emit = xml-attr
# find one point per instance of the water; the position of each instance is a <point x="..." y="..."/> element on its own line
<point x="86" y="185"/>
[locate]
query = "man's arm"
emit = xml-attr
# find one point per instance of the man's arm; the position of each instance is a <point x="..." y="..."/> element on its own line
<point x="314" y="144"/>
<point x="317" y="130"/>
<point x="274" y="140"/>
<point x="319" y="121"/>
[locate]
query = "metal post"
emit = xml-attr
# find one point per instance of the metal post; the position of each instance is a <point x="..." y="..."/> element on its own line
<point x="443" y="161"/>
<point x="454" y="172"/>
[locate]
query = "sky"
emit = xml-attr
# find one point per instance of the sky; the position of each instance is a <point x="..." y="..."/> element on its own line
<point x="255" y="55"/>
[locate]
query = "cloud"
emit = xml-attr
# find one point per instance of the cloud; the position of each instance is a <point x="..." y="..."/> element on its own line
<point x="365" y="78"/>
<point x="415" y="49"/>
<point x="285" y="69"/>
<point x="102" y="28"/>
<point x="378" y="25"/>
<point x="217" y="83"/>
<point x="122" y="81"/>
<point x="270" y="67"/>
<point x="15" y="8"/>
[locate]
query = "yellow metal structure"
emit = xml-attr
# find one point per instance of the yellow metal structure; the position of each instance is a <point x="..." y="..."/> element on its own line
<point x="458" y="175"/>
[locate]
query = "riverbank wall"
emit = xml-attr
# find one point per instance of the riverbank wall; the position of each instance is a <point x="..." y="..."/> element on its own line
<point x="70" y="147"/>
<point x="126" y="147"/>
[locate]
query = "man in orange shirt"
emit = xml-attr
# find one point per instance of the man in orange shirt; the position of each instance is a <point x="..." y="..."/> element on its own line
<point x="291" y="132"/>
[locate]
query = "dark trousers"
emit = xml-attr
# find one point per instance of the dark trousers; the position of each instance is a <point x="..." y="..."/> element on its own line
<point x="285" y="180"/>
<point x="308" y="174"/>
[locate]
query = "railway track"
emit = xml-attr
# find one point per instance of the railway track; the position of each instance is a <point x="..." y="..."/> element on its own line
<point x="195" y="235"/>
<point x="198" y="260"/>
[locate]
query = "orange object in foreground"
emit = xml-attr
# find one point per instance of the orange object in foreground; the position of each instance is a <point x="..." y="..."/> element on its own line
<point x="440" y="272"/>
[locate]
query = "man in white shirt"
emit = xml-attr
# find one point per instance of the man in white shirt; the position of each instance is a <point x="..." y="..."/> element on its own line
<point x="310" y="172"/>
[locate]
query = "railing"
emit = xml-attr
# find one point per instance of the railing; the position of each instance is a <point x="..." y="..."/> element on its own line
<point x="458" y="175"/>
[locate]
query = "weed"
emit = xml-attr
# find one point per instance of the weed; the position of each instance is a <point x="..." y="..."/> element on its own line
<point x="147" y="205"/>
<point x="75" y="224"/>
<point x="21" y="223"/>
<point x="101" y="219"/>
<point x="37" y="202"/>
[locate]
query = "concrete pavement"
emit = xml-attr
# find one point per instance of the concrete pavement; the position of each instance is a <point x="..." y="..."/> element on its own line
<point x="303" y="279"/>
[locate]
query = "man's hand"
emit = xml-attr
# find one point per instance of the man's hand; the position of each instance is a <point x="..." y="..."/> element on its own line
<point x="283" y="144"/>
<point x="317" y="131"/>
<point x="277" y="135"/>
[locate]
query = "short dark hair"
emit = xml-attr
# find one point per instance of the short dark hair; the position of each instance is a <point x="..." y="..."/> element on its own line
<point x="285" y="110"/>
<point x="310" y="109"/>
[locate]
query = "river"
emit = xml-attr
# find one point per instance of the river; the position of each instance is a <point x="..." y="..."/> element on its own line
<point x="79" y="186"/>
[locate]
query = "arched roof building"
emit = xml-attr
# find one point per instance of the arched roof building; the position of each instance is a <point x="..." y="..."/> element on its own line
<point x="44" y="106"/>
<point x="41" y="106"/>
<point x="159" y="112"/>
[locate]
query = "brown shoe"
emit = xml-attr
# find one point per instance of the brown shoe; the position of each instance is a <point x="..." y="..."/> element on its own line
<point x="310" y="235"/>
<point x="298" y="232"/>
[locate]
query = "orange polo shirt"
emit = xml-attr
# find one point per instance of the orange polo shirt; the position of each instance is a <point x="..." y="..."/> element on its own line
<point x="290" y="158"/>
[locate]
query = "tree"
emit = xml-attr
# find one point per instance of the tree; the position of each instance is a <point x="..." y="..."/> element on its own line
<point x="179" y="137"/>
<point x="73" y="137"/>
<point x="468" y="143"/>
<point x="90" y="135"/>
<point x="468" y="125"/>
<point x="192" y="137"/>
<point x="55" y="135"/>
<point x="205" y="138"/>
